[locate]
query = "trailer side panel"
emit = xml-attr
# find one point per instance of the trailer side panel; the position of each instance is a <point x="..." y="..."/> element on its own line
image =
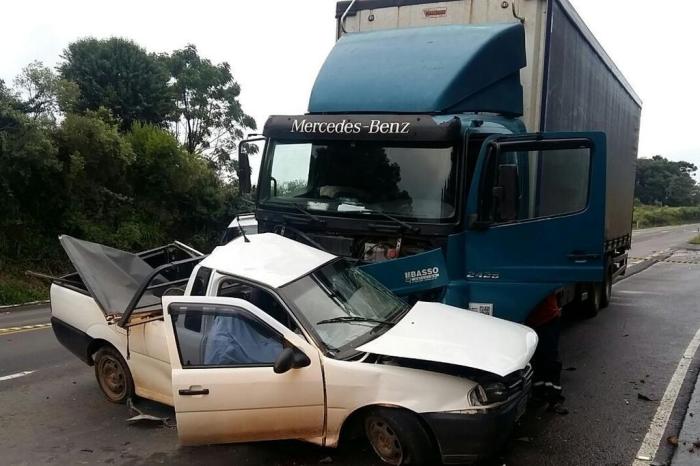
<point x="586" y="92"/>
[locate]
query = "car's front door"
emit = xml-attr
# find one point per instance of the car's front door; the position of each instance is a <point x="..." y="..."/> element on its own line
<point x="537" y="219"/>
<point x="224" y="387"/>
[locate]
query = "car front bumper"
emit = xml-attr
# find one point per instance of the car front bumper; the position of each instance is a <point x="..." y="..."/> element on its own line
<point x="470" y="437"/>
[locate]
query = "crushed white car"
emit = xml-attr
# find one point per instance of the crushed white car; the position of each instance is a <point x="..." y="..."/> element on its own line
<point x="268" y="338"/>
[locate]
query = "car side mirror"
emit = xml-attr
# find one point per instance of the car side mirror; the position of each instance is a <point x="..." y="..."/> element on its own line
<point x="290" y="358"/>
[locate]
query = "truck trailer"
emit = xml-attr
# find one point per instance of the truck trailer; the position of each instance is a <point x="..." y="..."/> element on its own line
<point x="479" y="153"/>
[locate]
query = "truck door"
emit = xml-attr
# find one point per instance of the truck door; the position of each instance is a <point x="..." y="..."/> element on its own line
<point x="536" y="215"/>
<point x="229" y="387"/>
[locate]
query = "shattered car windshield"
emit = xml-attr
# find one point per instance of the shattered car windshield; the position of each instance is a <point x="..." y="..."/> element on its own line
<point x="342" y="303"/>
<point x="363" y="177"/>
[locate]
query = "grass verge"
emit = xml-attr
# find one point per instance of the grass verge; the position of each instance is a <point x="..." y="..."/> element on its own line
<point x="646" y="216"/>
<point x="16" y="288"/>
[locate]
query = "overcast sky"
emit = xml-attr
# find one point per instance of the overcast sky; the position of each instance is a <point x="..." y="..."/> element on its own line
<point x="275" y="48"/>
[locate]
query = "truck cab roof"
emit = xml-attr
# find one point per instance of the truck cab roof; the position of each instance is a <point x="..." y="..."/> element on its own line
<point x="441" y="69"/>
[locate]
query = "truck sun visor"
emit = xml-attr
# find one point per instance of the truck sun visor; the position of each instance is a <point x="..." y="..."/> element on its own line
<point x="413" y="128"/>
<point x="111" y="276"/>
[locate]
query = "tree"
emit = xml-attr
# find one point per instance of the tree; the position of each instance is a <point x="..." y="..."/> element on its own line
<point x="44" y="94"/>
<point x="120" y="76"/>
<point x="664" y="182"/>
<point x="209" y="118"/>
<point x="30" y="187"/>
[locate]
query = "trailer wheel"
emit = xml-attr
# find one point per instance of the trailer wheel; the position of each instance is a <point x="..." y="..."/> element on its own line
<point x="113" y="375"/>
<point x="398" y="437"/>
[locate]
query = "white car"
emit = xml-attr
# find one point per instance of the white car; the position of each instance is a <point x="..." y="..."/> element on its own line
<point x="268" y="338"/>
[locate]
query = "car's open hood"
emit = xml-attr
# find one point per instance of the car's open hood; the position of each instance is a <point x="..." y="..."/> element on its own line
<point x="440" y="333"/>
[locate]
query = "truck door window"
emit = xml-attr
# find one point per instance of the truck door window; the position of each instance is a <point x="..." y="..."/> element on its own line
<point x="531" y="184"/>
<point x="230" y="337"/>
<point x="262" y="299"/>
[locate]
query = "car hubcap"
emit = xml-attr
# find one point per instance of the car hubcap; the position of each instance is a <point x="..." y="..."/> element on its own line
<point x="384" y="440"/>
<point x="112" y="377"/>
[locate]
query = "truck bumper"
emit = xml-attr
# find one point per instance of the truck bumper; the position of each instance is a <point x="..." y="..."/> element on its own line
<point x="467" y="438"/>
<point x="76" y="341"/>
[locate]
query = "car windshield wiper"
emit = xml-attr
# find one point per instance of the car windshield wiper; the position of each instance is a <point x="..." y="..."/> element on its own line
<point x="408" y="226"/>
<point x="337" y="320"/>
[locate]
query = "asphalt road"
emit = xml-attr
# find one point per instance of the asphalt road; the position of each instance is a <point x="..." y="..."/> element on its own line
<point x="55" y="414"/>
<point x="654" y="240"/>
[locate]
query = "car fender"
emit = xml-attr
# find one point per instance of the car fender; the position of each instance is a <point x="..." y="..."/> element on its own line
<point x="352" y="386"/>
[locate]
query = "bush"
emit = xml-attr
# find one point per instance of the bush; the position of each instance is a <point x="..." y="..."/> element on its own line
<point x="16" y="288"/>
<point x="646" y="216"/>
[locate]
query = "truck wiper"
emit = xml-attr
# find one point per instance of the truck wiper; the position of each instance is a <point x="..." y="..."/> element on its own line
<point x="337" y="320"/>
<point x="299" y="208"/>
<point x="408" y="226"/>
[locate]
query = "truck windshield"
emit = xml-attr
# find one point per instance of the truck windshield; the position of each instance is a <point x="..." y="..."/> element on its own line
<point x="417" y="182"/>
<point x="342" y="303"/>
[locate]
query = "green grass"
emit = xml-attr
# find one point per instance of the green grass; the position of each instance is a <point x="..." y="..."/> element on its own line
<point x="646" y="216"/>
<point x="16" y="288"/>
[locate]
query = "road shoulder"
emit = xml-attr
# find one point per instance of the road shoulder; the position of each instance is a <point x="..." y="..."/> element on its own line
<point x="688" y="451"/>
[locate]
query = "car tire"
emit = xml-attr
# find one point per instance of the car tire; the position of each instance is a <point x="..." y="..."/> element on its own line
<point x="113" y="375"/>
<point x="398" y="437"/>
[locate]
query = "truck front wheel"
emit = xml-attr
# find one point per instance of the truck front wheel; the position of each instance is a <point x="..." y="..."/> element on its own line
<point x="606" y="294"/>
<point x="592" y="304"/>
<point x="113" y="375"/>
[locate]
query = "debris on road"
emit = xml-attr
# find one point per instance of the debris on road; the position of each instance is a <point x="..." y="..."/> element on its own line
<point x="141" y="417"/>
<point x="642" y="396"/>
<point x="673" y="440"/>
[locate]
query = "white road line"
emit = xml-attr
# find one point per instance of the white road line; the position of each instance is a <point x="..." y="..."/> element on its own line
<point x="15" y="376"/>
<point x="652" y="440"/>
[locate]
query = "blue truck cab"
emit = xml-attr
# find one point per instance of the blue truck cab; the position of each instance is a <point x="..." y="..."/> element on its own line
<point x="414" y="159"/>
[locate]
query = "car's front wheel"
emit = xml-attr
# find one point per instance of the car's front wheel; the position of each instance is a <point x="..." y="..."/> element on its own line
<point x="113" y="375"/>
<point x="398" y="437"/>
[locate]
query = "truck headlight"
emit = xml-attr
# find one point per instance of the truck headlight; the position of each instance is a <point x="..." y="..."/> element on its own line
<point x="488" y="394"/>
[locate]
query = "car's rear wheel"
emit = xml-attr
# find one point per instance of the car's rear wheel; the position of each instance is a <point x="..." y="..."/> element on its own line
<point x="113" y="375"/>
<point x="398" y="437"/>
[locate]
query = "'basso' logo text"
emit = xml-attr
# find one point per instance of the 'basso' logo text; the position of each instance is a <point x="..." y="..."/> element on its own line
<point x="422" y="275"/>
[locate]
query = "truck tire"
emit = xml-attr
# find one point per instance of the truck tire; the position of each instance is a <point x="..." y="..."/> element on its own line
<point x="113" y="375"/>
<point x="606" y="289"/>
<point x="398" y="437"/>
<point x="591" y="306"/>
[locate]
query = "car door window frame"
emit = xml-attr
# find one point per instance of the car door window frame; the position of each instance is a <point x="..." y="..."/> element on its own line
<point x="488" y="176"/>
<point x="219" y="310"/>
<point x="219" y="277"/>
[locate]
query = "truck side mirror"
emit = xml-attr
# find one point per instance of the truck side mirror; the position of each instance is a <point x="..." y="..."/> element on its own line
<point x="243" y="168"/>
<point x="506" y="193"/>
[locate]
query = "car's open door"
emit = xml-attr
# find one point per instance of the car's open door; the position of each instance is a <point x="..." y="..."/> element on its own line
<point x="239" y="375"/>
<point x="536" y="215"/>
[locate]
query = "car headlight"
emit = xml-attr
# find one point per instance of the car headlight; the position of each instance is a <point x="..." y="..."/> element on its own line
<point x="488" y="394"/>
